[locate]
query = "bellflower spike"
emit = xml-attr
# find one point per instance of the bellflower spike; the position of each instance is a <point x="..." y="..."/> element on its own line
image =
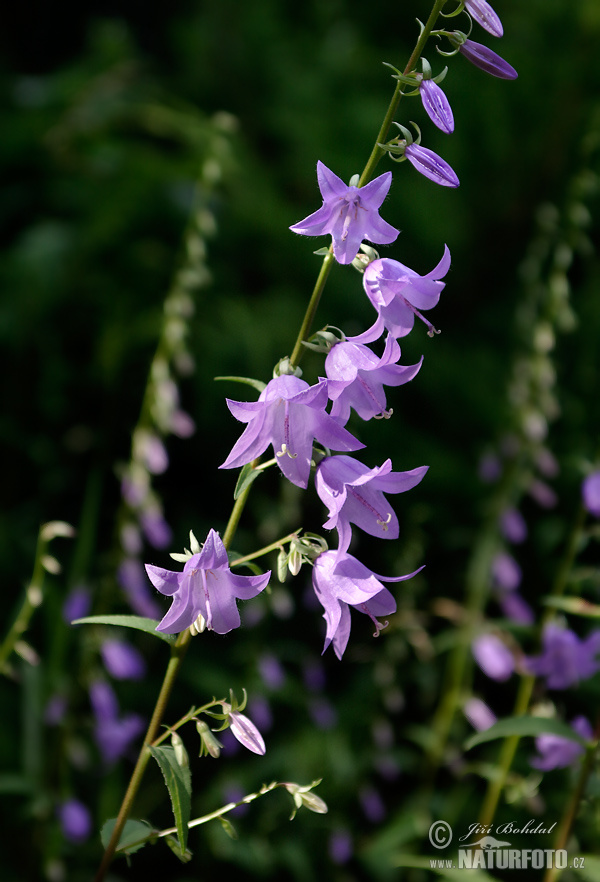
<point x="590" y="491"/>
<point x="357" y="377"/>
<point x="565" y="658"/>
<point x="206" y="587"/>
<point x="289" y="414"/>
<point x="350" y="214"/>
<point x="436" y="106"/>
<point x="431" y="165"/>
<point x="485" y="16"/>
<point x="354" y="494"/>
<point x="555" y="752"/>
<point x="341" y="581"/>
<point x="483" y="58"/>
<point x="399" y="294"/>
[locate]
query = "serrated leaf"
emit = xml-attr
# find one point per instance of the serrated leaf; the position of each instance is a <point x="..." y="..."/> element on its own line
<point x="139" y="623"/>
<point x="246" y="476"/>
<point x="523" y="726"/>
<point x="574" y="605"/>
<point x="179" y="784"/>
<point x="134" y="836"/>
<point x="248" y="381"/>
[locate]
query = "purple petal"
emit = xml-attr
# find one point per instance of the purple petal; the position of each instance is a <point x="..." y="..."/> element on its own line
<point x="246" y="733"/>
<point x="431" y="165"/>
<point x="485" y="16"/>
<point x="437" y="106"/>
<point x="487" y="60"/>
<point x="590" y="492"/>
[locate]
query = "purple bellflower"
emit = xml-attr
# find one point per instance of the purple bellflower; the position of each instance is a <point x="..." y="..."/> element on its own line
<point x="350" y="214"/>
<point x="353" y="493"/>
<point x="113" y="732"/>
<point x="289" y="414"/>
<point x="565" y="658"/>
<point x="357" y="377"/>
<point x="483" y="58"/>
<point x="480" y="716"/>
<point x="431" y="165"/>
<point x="590" y="491"/>
<point x="206" y="587"/>
<point x="555" y="752"/>
<point x="122" y="660"/>
<point x="493" y="657"/>
<point x="341" y="581"/>
<point x="244" y="730"/>
<point x="485" y="16"/>
<point x="75" y="820"/>
<point x="436" y="106"/>
<point x="399" y="294"/>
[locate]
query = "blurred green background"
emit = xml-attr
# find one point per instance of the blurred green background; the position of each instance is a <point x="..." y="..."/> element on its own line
<point x="105" y="115"/>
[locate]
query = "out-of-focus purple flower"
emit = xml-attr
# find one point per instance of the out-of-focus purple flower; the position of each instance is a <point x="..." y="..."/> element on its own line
<point x="181" y="424"/>
<point x="490" y="468"/>
<point x="357" y="377"/>
<point x="515" y="608"/>
<point x="340" y="847"/>
<point x="354" y="494"/>
<point x="150" y="450"/>
<point x="77" y="604"/>
<point x="206" y="587"/>
<point x="55" y="710"/>
<point x="547" y="463"/>
<point x="478" y="714"/>
<point x="271" y="671"/>
<point x="341" y="581"/>
<point x="313" y="674"/>
<point x="399" y="294"/>
<point x="484" y="58"/>
<point x="135" y="485"/>
<point x="289" y="414"/>
<point x="436" y="105"/>
<point x="565" y="659"/>
<point x="485" y="16"/>
<point x="234" y="793"/>
<point x="590" y="491"/>
<point x="513" y="526"/>
<point x="431" y="165"/>
<point x="113" y="733"/>
<point x="493" y="657"/>
<point x="75" y="820"/>
<point x="122" y="660"/>
<point x="156" y="530"/>
<point x="322" y="713"/>
<point x="543" y="494"/>
<point x="244" y="730"/>
<point x="131" y="540"/>
<point x="555" y="752"/>
<point x="350" y="214"/>
<point x="506" y="572"/>
<point x="132" y="579"/>
<point x="260" y="710"/>
<point x="372" y="805"/>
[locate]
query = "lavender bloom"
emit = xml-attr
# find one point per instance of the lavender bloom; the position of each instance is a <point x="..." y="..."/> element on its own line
<point x="75" y="820"/>
<point x="349" y="213"/>
<point x="490" y="468"/>
<point x="514" y="607"/>
<point x="156" y="530"/>
<point x="590" y="491"/>
<point x="399" y="294"/>
<point x="485" y="16"/>
<point x="340" y="581"/>
<point x="322" y="713"/>
<point x="354" y="494"/>
<point x="493" y="657"/>
<point x="289" y="414"/>
<point x="132" y="579"/>
<point x="431" y="165"/>
<point x="484" y="58"/>
<point x="77" y="605"/>
<point x="555" y="752"/>
<point x="436" y="105"/>
<point x="478" y="714"/>
<point x="150" y="450"/>
<point x="543" y="494"/>
<point x="122" y="660"/>
<point x="513" y="526"/>
<point x="372" y="805"/>
<point x="271" y="671"/>
<point x="206" y="587"/>
<point x="245" y="731"/>
<point x="55" y="710"/>
<point x="113" y="733"/>
<point x="357" y="377"/>
<point x="506" y="572"/>
<point x="565" y="658"/>
<point x="340" y="847"/>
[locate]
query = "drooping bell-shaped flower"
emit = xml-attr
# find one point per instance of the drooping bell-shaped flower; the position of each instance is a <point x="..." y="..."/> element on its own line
<point x="341" y="581"/>
<point x="350" y="214"/>
<point x="483" y="57"/>
<point x="399" y="294"/>
<point x="565" y="659"/>
<point x="493" y="656"/>
<point x="556" y="752"/>
<point x="357" y="377"/>
<point x="289" y="414"/>
<point x="485" y="16"/>
<point x="206" y="587"/>
<point x="354" y="494"/>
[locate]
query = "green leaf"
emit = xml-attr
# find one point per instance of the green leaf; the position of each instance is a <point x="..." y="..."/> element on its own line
<point x="134" y="836"/>
<point x="588" y="867"/>
<point x="246" y="477"/>
<point x="575" y="605"/>
<point x="138" y="622"/>
<point x="522" y="726"/>
<point x="179" y="784"/>
<point x="256" y="384"/>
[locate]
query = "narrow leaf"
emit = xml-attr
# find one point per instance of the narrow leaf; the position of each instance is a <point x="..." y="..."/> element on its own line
<point x="256" y="384"/>
<point x="246" y="476"/>
<point x="139" y="623"/>
<point x="522" y="726"/>
<point x="179" y="784"/>
<point x="134" y="836"/>
<point x="575" y="605"/>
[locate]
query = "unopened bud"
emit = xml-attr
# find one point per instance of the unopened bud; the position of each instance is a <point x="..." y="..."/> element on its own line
<point x="209" y="745"/>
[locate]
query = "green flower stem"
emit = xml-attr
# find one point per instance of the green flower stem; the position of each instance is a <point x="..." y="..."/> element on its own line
<point x="266" y="788"/>
<point x="274" y="546"/>
<point x="311" y="309"/>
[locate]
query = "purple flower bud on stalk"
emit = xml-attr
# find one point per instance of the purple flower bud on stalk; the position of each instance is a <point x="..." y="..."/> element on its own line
<point x="506" y="572"/>
<point x="484" y="58"/>
<point x="245" y="731"/>
<point x="436" y="105"/>
<point x="431" y="165"/>
<point x="478" y="714"/>
<point x="493" y="657"/>
<point x="515" y="608"/>
<point x="75" y="820"/>
<point x="513" y="526"/>
<point x="555" y="752"/>
<point x="590" y="491"/>
<point x="485" y="16"/>
<point x="122" y="660"/>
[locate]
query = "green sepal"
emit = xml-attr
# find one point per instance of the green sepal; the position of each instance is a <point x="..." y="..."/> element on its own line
<point x="246" y="476"/>
<point x="134" y="836"/>
<point x="138" y="623"/>
<point x="184" y="856"/>
<point x="256" y="384"/>
<point x="229" y="828"/>
<point x="322" y="252"/>
<point x="179" y="784"/>
<point x="523" y="726"/>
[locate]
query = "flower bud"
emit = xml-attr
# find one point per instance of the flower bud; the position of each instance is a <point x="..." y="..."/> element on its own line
<point x="209" y="745"/>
